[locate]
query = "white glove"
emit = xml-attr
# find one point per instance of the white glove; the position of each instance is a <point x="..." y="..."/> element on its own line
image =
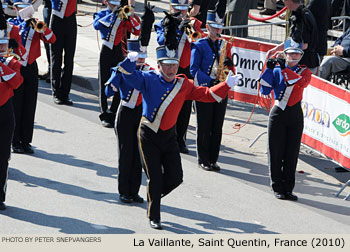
<point x="133" y="56"/>
<point x="233" y="80"/>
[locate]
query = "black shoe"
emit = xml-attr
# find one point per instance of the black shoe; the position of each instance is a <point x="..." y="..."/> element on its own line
<point x="291" y="196"/>
<point x="267" y="12"/>
<point x="44" y="76"/>
<point x="137" y="198"/>
<point x="59" y="101"/>
<point x="2" y="206"/>
<point x="205" y="166"/>
<point x="279" y="195"/>
<point x="215" y="167"/>
<point x="184" y="150"/>
<point x="27" y="148"/>
<point x="155" y="224"/>
<point x="68" y="102"/>
<point x="17" y="148"/>
<point x="125" y="199"/>
<point x="106" y="124"/>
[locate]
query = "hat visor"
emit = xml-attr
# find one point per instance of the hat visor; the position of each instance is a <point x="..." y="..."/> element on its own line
<point x="215" y="25"/>
<point x="169" y="61"/>
<point x="22" y="5"/>
<point x="143" y="55"/>
<point x="4" y="41"/>
<point x="292" y="50"/>
<point x="114" y="2"/>
<point x="4" y="5"/>
<point x="180" y="7"/>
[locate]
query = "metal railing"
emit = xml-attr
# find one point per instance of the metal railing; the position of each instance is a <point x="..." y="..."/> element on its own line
<point x="267" y="32"/>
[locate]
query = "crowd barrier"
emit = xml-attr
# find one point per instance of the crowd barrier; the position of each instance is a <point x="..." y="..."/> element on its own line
<point x="326" y="106"/>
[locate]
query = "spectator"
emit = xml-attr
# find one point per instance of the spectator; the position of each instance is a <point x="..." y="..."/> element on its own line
<point x="195" y="7"/>
<point x="270" y="7"/>
<point x="340" y="58"/>
<point x="205" y="6"/>
<point x="344" y="10"/>
<point x="321" y="9"/>
<point x="303" y="28"/>
<point x="238" y="15"/>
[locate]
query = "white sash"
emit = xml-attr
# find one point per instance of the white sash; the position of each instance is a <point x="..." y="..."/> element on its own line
<point x="62" y="11"/>
<point x="110" y="42"/>
<point x="156" y="123"/>
<point x="25" y="57"/>
<point x="181" y="45"/>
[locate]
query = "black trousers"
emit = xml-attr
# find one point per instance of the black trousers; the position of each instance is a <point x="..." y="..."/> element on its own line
<point x="66" y="35"/>
<point x="47" y="17"/>
<point x="129" y="164"/>
<point x="210" y="119"/>
<point x="108" y="59"/>
<point x="24" y="102"/>
<point x="161" y="161"/>
<point x="7" y="126"/>
<point x="284" y="136"/>
<point x="183" y="118"/>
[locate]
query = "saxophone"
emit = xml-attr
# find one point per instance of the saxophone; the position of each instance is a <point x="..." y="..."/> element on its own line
<point x="223" y="71"/>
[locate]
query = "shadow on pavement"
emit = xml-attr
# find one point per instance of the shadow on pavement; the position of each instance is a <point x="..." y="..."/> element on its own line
<point x="342" y="210"/>
<point x="210" y="222"/>
<point x="101" y="170"/>
<point x="65" y="225"/>
<point x="60" y="187"/>
<point x="40" y="127"/>
<point x="80" y="102"/>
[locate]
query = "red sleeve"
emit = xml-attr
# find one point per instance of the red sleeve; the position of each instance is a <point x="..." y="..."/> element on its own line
<point x="20" y="50"/>
<point x="205" y="94"/>
<point x="197" y="26"/>
<point x="48" y="36"/>
<point x="301" y="80"/>
<point x="133" y="24"/>
<point x="13" y="78"/>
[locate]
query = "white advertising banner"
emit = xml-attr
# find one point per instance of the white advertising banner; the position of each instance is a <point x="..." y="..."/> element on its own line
<point x="326" y="106"/>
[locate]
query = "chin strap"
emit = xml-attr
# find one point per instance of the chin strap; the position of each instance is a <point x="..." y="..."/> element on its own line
<point x="216" y="34"/>
<point x="164" y="74"/>
<point x="292" y="61"/>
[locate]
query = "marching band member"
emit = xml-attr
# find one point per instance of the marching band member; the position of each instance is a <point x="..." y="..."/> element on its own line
<point x="10" y="79"/>
<point x="25" y="98"/>
<point x="15" y="46"/>
<point x="286" y="120"/>
<point x="9" y="9"/>
<point x="188" y="30"/>
<point x="129" y="116"/>
<point x="163" y="96"/>
<point x="112" y="23"/>
<point x="64" y="25"/>
<point x="208" y="56"/>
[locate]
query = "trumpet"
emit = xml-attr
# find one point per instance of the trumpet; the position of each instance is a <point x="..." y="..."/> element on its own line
<point x="125" y="12"/>
<point x="192" y="33"/>
<point x="10" y="53"/>
<point x="40" y="26"/>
